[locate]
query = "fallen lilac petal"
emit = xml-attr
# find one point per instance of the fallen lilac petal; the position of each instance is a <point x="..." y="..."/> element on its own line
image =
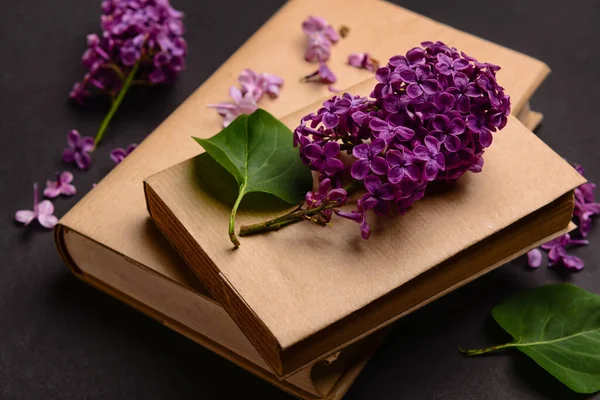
<point x="119" y="154"/>
<point x="363" y="61"/>
<point x="243" y="104"/>
<point x="258" y="84"/>
<point x="322" y="75"/>
<point x="61" y="185"/>
<point x="318" y="26"/>
<point x="534" y="258"/>
<point x="318" y="50"/>
<point x="79" y="150"/>
<point x="573" y="262"/>
<point x="42" y="211"/>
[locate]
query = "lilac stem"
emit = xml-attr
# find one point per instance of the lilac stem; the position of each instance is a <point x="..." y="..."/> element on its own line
<point x="116" y="103"/>
<point x="292" y="217"/>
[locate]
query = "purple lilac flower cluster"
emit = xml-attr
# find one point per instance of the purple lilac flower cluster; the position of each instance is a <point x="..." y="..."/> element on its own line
<point x="245" y="100"/>
<point x="320" y="36"/>
<point x="585" y="208"/>
<point x="146" y="34"/>
<point x="431" y="116"/>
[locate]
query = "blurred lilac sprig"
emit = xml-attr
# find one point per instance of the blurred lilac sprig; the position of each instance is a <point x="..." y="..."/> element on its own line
<point x="430" y="118"/>
<point x="141" y="44"/>
<point x="245" y="100"/>
<point x="320" y="37"/>
<point x="146" y="33"/>
<point x="585" y="208"/>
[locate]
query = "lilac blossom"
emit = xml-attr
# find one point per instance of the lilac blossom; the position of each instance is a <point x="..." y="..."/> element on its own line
<point x="448" y="131"/>
<point x="557" y="252"/>
<point x="321" y="75"/>
<point x="42" y="211"/>
<point x="359" y="216"/>
<point x="320" y="37"/>
<point x="388" y="81"/>
<point x="450" y="66"/>
<point x="323" y="195"/>
<point x="369" y="159"/>
<point x="79" y="150"/>
<point x="119" y="154"/>
<point x="421" y="80"/>
<point x="319" y="34"/>
<point x="332" y="110"/>
<point x="242" y="104"/>
<point x="314" y="25"/>
<point x="363" y="61"/>
<point x="430" y="117"/>
<point x="402" y="166"/>
<point x="462" y="91"/>
<point x="431" y="155"/>
<point x="318" y="50"/>
<point x="253" y="87"/>
<point x="387" y="130"/>
<point x="324" y="158"/>
<point x="258" y="84"/>
<point x="61" y="185"/>
<point x="378" y="194"/>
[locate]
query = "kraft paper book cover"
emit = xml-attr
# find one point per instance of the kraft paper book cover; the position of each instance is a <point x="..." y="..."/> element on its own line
<point x="112" y="219"/>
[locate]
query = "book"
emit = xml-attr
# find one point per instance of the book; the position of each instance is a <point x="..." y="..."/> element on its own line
<point x="108" y="240"/>
<point x="301" y="293"/>
<point x="185" y="306"/>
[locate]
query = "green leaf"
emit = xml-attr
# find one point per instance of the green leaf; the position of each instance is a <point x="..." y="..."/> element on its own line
<point x="558" y="326"/>
<point x="258" y="151"/>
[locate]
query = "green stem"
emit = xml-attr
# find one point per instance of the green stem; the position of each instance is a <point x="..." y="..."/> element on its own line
<point x="116" y="103"/>
<point x="266" y="226"/>
<point x="292" y="217"/>
<point x="234" y="209"/>
<point x="490" y="349"/>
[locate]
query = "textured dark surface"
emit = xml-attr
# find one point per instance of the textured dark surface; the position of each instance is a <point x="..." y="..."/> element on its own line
<point x="62" y="339"/>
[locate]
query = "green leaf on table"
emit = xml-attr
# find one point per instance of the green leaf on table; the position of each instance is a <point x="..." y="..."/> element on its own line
<point x="257" y="149"/>
<point x="558" y="326"/>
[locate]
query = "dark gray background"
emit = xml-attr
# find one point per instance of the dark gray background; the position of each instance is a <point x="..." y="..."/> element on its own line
<point x="62" y="339"/>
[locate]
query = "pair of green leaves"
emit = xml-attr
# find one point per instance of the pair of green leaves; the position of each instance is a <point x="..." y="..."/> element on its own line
<point x="558" y="326"/>
<point x="257" y="149"/>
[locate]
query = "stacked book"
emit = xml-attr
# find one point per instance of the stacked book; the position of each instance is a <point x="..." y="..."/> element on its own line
<point x="305" y="310"/>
